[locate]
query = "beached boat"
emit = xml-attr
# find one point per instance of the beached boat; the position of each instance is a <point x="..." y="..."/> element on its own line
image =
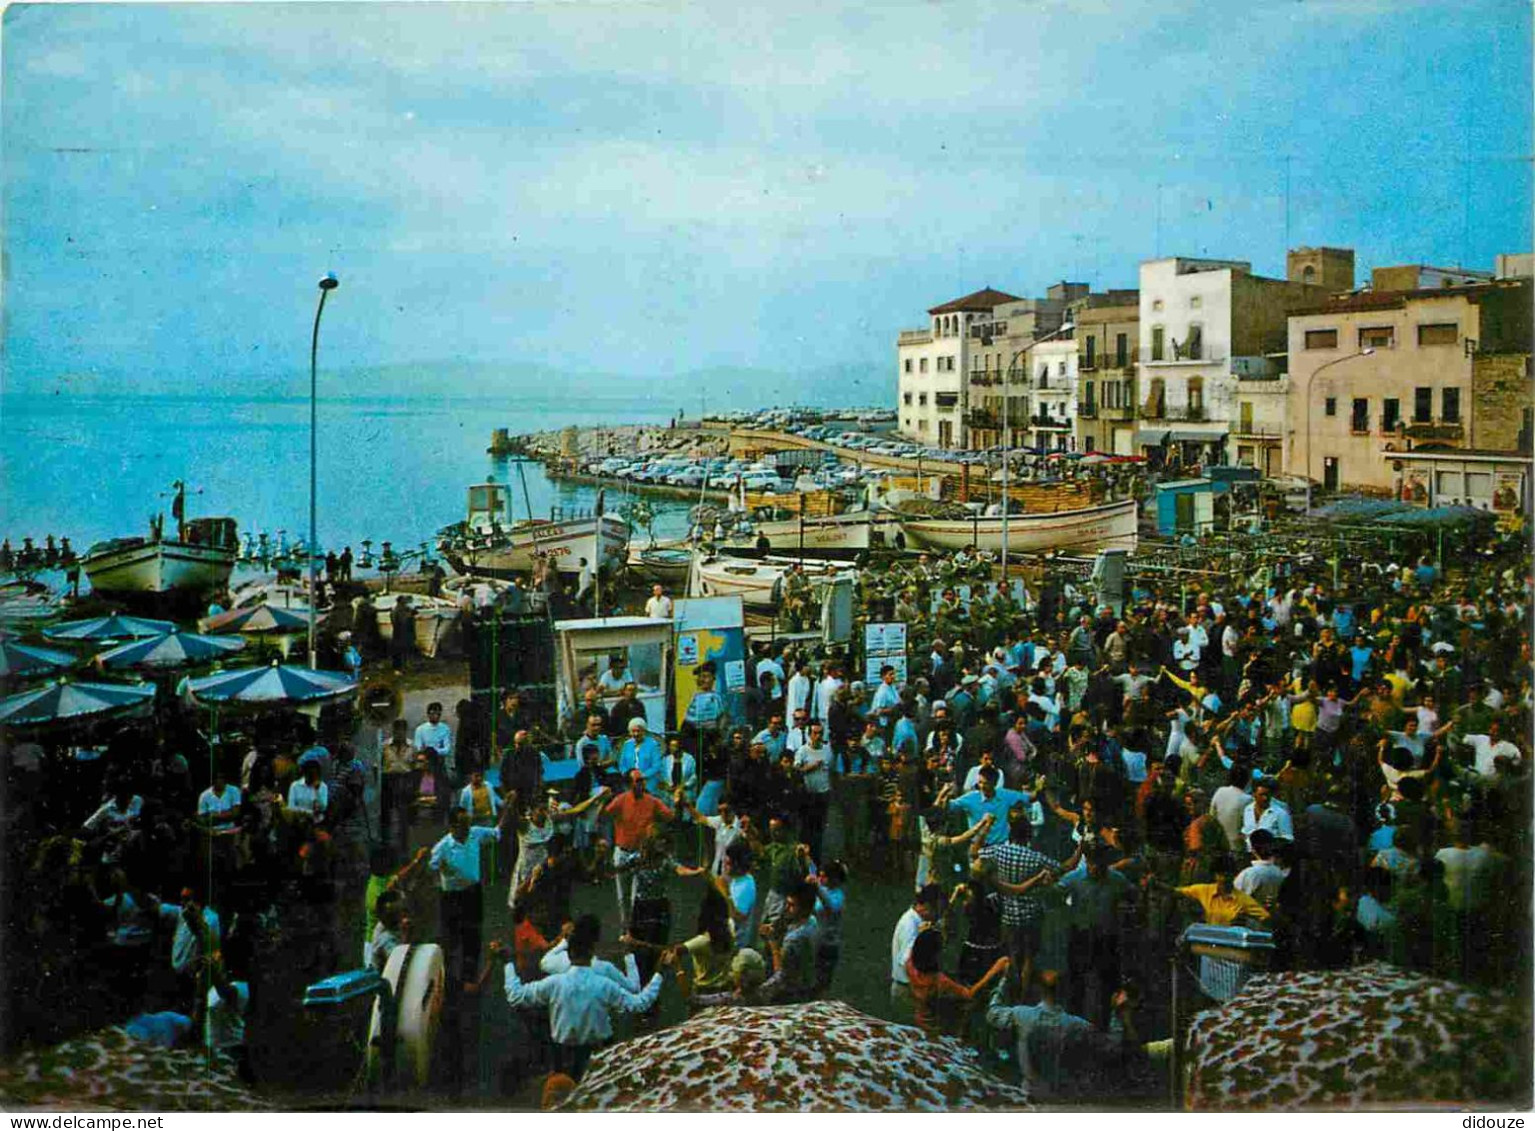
<point x="751" y="579"/>
<point x="1108" y="526"/>
<point x="489" y="544"/>
<point x="664" y="565"/>
<point x="436" y="618"/>
<point x="196" y="562"/>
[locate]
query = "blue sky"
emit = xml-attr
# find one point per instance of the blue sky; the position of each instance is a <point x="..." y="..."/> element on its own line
<point x="659" y="188"/>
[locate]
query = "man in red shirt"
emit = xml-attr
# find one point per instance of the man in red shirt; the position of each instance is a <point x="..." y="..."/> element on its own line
<point x="635" y="816"/>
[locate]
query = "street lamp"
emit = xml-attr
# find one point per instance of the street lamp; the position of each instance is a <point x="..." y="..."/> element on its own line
<point x="1065" y="327"/>
<point x="1366" y="352"/>
<point x="327" y="284"/>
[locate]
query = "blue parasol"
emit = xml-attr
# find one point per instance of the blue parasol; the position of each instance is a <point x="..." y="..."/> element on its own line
<point x="270" y="686"/>
<point x="259" y="620"/>
<point x="26" y="660"/>
<point x="111" y="627"/>
<point x="169" y="651"/>
<point x="66" y="702"/>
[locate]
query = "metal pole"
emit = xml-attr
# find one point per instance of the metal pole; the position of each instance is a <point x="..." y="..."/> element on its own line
<point x="327" y="284"/>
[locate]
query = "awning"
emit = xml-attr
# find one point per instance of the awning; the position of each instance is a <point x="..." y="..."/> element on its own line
<point x="1153" y="437"/>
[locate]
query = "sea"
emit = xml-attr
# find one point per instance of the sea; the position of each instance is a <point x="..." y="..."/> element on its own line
<point x="393" y="469"/>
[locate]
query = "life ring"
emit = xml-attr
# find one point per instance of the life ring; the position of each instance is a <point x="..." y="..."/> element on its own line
<point x="380" y="702"/>
<point x="418" y="977"/>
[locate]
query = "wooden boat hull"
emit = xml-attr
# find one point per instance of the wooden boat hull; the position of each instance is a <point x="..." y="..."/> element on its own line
<point x="663" y="565"/>
<point x="749" y="579"/>
<point x="1110" y="526"/>
<point x="158" y="568"/>
<point x="434" y="622"/>
<point x="511" y="553"/>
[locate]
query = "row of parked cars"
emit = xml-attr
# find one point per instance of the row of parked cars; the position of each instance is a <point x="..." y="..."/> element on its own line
<point x="674" y="470"/>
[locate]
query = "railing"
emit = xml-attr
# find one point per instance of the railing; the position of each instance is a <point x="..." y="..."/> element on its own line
<point x="945" y="400"/>
<point x="1088" y="411"/>
<point x="913" y="338"/>
<point x="1206" y="356"/>
<point x="1116" y="412"/>
<point x="1251" y="429"/>
<point x="1048" y="422"/>
<point x="1432" y="431"/>
<point x="1107" y="361"/>
<point x="1176" y="412"/>
<point x="1153" y="410"/>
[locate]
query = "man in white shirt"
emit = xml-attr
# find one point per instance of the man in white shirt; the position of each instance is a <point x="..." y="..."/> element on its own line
<point x="309" y="795"/>
<point x="1186" y="650"/>
<point x="1489" y="748"/>
<point x="798" y="697"/>
<point x="797" y="734"/>
<point x="659" y="607"/>
<point x="611" y="682"/>
<point x="773" y="668"/>
<point x="926" y="909"/>
<point x="580" y="1001"/>
<point x="218" y="808"/>
<point x="1228" y="806"/>
<point x="825" y="690"/>
<point x="1262" y="878"/>
<point x="556" y="960"/>
<point x="813" y="762"/>
<point x="456" y="860"/>
<point x="1042" y="1033"/>
<point x="436" y="736"/>
<point x="1263" y="812"/>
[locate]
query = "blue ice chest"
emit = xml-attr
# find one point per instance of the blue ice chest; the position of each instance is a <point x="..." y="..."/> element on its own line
<point x="341" y="988"/>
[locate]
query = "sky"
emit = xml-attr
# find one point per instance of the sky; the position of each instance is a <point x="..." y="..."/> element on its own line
<point x="653" y="189"/>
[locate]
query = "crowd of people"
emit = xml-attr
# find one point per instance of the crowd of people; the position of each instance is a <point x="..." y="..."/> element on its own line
<point x="1054" y="786"/>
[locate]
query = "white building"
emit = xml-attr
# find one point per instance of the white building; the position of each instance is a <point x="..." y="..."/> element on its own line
<point x="1053" y="394"/>
<point x="932" y="368"/>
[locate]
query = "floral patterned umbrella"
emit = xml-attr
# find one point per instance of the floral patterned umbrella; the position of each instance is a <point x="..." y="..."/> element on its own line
<point x="112" y="1070"/>
<point x="821" y="1056"/>
<point x="1368" y="1037"/>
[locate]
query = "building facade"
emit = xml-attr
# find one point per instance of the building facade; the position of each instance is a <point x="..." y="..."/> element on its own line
<point x="932" y="368"/>
<point x="1106" y="328"/>
<point x="1204" y="323"/>
<point x="1379" y="373"/>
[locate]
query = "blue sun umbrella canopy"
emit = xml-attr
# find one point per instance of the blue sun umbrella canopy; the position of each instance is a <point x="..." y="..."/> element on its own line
<point x="270" y="686"/>
<point x="172" y="650"/>
<point x="20" y="660"/>
<point x="113" y="627"/>
<point x="65" y="702"/>
<point x="259" y="620"/>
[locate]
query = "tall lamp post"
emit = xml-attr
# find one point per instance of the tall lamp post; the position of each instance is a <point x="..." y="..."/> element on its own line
<point x="327" y="284"/>
<point x="1007" y="444"/>
<point x="1366" y="352"/>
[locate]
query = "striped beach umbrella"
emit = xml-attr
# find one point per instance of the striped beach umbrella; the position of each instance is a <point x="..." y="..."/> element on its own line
<point x="22" y="660"/>
<point x="110" y="627"/>
<point x="65" y="702"/>
<point x="172" y="650"/>
<point x="273" y="685"/>
<point x="259" y="620"/>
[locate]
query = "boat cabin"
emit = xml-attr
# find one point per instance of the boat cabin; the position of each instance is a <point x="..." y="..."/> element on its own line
<point x="489" y="506"/>
<point x="219" y="533"/>
<point x="585" y="651"/>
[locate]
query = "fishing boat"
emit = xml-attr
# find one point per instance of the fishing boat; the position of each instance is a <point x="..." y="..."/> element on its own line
<point x="664" y="565"/>
<point x="750" y="579"/>
<point x="435" y="619"/>
<point x="489" y="544"/>
<point x="1084" y="530"/>
<point x="196" y="562"/>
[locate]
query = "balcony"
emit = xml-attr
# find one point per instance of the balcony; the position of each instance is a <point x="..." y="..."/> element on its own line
<point x="1252" y="431"/>
<point x="1193" y="413"/>
<point x="1048" y="422"/>
<point x="946" y="400"/>
<point x="1206" y="357"/>
<point x="1116" y="412"/>
<point x="1425" y="430"/>
<point x="914" y="338"/>
<point x="1108" y="362"/>
<point x="1088" y="411"/>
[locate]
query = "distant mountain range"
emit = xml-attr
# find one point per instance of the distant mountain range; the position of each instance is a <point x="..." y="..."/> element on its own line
<point x="718" y="388"/>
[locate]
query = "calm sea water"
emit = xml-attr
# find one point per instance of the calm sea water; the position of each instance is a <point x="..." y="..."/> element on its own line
<point x="93" y="467"/>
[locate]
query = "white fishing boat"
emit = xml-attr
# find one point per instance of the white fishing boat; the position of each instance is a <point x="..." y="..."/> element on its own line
<point x="1108" y="526"/>
<point x="664" y="565"/>
<point x="196" y="562"/>
<point x="281" y="595"/>
<point x="750" y="579"/>
<point x="435" y="619"/>
<point x="489" y="544"/>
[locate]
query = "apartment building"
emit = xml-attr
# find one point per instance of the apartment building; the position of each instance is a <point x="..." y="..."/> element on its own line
<point x="932" y="365"/>
<point x="1380" y="374"/>
<point x="1206" y="327"/>
<point x="1106" y="328"/>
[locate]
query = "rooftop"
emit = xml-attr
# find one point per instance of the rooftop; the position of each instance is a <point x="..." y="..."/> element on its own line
<point x="1394" y="300"/>
<point x="984" y="299"/>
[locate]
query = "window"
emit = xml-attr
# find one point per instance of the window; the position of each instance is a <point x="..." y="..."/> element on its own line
<point x="1196" y="397"/>
<point x="1121" y="350"/>
<point x="1308" y="274"/>
<point x="1092" y="351"/>
<point x="1377" y="337"/>
<point x="1450" y="406"/>
<point x="1194" y="301"/>
<point x="922" y="365"/>
<point x="1044" y="376"/>
<point x="1157" y="337"/>
<point x="922" y="400"/>
<point x="1088" y="404"/>
<point x="1359" y="421"/>
<point x="1088" y="445"/>
<point x="907" y="399"/>
<point x="1390" y="414"/>
<point x="1321" y="339"/>
<point x="1422" y="404"/>
<point x="1438" y="334"/>
<point x="908" y="365"/>
<point x="1196" y="343"/>
<point x="1156" y="304"/>
<point x="1330" y="406"/>
<point x="1060" y="368"/>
